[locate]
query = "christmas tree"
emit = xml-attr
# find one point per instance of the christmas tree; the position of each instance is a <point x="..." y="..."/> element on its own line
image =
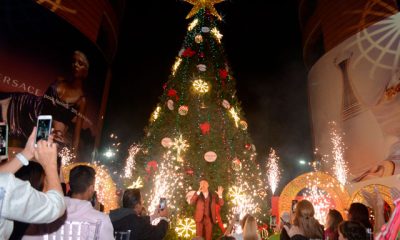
<point x="198" y="131"/>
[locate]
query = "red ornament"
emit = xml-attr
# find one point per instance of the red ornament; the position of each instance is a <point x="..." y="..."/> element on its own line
<point x="205" y="128"/>
<point x="223" y="74"/>
<point x="164" y="86"/>
<point x="151" y="166"/>
<point x="189" y="171"/>
<point x="247" y="146"/>
<point x="201" y="54"/>
<point x="188" y="52"/>
<point x="173" y="94"/>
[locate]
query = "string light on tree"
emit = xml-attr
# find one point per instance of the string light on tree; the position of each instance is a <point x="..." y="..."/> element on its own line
<point x="217" y="34"/>
<point x="180" y="145"/>
<point x="340" y="168"/>
<point x="138" y="183"/>
<point x="273" y="172"/>
<point x="193" y="24"/>
<point x="185" y="227"/>
<point x="177" y="63"/>
<point x="235" y="116"/>
<point x="156" y="113"/>
<point x="200" y="86"/>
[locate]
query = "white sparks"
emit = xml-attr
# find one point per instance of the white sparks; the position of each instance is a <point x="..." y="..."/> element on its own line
<point x="130" y="161"/>
<point x="339" y="167"/>
<point x="273" y="172"/>
<point x="67" y="156"/>
<point x="242" y="200"/>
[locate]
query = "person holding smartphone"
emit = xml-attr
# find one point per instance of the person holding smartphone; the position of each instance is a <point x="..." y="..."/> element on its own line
<point x="18" y="200"/>
<point x="130" y="217"/>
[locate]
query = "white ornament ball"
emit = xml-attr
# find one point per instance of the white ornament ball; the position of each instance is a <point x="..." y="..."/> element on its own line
<point x="210" y="156"/>
<point x="183" y="110"/>
<point x="253" y="147"/>
<point x="202" y="67"/>
<point x="226" y="104"/>
<point x="198" y="38"/>
<point x="166" y="142"/>
<point x="205" y="29"/>
<point x="170" y="104"/>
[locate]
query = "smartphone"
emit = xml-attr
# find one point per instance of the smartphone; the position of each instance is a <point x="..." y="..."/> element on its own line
<point x="163" y="203"/>
<point x="43" y="127"/>
<point x="294" y="203"/>
<point x="93" y="201"/>
<point x="3" y="141"/>
<point x="272" y="221"/>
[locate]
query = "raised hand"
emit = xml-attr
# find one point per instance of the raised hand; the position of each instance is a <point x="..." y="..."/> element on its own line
<point x="220" y="191"/>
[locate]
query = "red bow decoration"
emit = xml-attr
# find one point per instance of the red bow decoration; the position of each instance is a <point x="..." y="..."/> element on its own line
<point x="151" y="166"/>
<point x="173" y="94"/>
<point x="223" y="74"/>
<point x="205" y="128"/>
<point x="188" y="52"/>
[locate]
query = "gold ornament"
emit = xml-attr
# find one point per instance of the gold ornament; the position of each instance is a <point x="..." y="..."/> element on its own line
<point x="198" y="39"/>
<point x="185" y="227"/>
<point x="206" y="4"/>
<point x="236" y="164"/>
<point x="200" y="86"/>
<point x="243" y="125"/>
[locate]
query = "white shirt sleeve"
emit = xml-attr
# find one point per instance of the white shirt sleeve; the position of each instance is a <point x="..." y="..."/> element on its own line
<point x="23" y="203"/>
<point x="106" y="229"/>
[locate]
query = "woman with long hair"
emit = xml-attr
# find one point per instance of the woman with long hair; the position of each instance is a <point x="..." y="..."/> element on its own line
<point x="333" y="219"/>
<point x="250" y="231"/>
<point x="305" y="226"/>
<point x="358" y="212"/>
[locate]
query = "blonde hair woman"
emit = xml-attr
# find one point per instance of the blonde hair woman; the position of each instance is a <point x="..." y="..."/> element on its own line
<point x="305" y="226"/>
<point x="250" y="231"/>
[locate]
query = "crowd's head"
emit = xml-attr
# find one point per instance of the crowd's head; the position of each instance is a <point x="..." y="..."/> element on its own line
<point x="304" y="219"/>
<point x="351" y="230"/>
<point x="82" y="180"/>
<point x="333" y="219"/>
<point x="250" y="231"/>
<point x="358" y="212"/>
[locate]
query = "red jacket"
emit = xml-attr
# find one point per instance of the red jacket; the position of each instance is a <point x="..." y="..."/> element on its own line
<point x="199" y="200"/>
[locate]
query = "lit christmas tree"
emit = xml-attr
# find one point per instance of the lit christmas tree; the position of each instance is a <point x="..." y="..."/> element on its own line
<point x="198" y="131"/>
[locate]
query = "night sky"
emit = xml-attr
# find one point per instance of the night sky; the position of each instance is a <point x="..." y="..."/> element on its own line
<point x="262" y="42"/>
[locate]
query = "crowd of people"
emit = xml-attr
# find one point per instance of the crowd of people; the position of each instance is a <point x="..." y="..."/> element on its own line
<point x="34" y="203"/>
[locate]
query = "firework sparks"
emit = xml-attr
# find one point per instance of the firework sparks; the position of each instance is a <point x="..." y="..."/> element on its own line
<point x="130" y="161"/>
<point x="273" y="172"/>
<point x="339" y="167"/>
<point x="243" y="202"/>
<point x="137" y="184"/>
<point x="66" y="156"/>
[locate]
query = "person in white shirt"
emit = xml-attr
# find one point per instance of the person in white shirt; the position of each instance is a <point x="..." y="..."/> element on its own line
<point x="18" y="200"/>
<point x="79" y="208"/>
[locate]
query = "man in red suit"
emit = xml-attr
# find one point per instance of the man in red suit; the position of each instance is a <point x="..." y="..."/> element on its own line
<point x="205" y="214"/>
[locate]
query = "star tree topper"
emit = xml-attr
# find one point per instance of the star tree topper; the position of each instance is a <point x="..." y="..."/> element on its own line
<point x="206" y="4"/>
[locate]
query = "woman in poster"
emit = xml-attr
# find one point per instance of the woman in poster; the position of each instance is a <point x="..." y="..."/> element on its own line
<point x="64" y="100"/>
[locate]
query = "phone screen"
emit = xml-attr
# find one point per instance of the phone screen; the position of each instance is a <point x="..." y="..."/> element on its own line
<point x="163" y="203"/>
<point x="273" y="221"/>
<point x="3" y="140"/>
<point x="43" y="129"/>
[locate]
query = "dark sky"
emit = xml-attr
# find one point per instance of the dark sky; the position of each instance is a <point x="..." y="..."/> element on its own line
<point x="262" y="41"/>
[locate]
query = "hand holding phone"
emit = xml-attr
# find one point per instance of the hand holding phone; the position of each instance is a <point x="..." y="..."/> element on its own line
<point x="3" y="141"/>
<point x="43" y="127"/>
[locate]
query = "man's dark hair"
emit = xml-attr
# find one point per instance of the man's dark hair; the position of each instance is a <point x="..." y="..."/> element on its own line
<point x="80" y="178"/>
<point x="131" y="198"/>
<point x="353" y="230"/>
